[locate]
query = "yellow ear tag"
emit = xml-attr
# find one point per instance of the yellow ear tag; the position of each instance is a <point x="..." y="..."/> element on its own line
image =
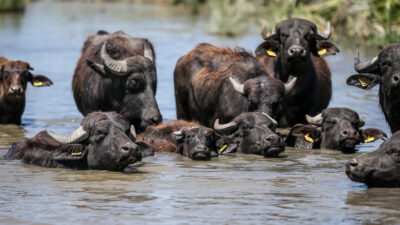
<point x="271" y="53"/>
<point x="76" y="153"/>
<point x="369" y="139"/>
<point x="363" y="81"/>
<point x="37" y="83"/>
<point x="222" y="148"/>
<point x="308" y="138"/>
<point x="322" y="51"/>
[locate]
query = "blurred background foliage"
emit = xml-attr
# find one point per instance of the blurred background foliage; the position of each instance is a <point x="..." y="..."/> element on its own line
<point x="356" y="22"/>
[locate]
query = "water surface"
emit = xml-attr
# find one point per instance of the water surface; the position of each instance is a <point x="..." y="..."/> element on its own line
<point x="306" y="187"/>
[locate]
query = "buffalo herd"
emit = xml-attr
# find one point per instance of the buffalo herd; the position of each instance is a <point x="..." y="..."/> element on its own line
<point x="227" y="100"/>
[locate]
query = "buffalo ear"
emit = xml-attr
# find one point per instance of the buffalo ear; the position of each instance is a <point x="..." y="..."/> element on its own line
<point x="304" y="136"/>
<point x="40" y="81"/>
<point x="372" y="134"/>
<point x="364" y="80"/>
<point x="98" y="68"/>
<point x="145" y="149"/>
<point x="269" y="47"/>
<point x="70" y="152"/>
<point x="325" y="48"/>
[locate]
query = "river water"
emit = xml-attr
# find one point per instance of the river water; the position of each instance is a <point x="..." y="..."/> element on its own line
<point x="306" y="187"/>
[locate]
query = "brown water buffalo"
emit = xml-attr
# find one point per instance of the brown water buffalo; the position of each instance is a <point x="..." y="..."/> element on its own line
<point x="380" y="168"/>
<point x="383" y="70"/>
<point x="104" y="141"/>
<point x="14" y="76"/>
<point x="213" y="82"/>
<point x="334" y="128"/>
<point x="186" y="138"/>
<point x="295" y="49"/>
<point x="250" y="133"/>
<point x="117" y="72"/>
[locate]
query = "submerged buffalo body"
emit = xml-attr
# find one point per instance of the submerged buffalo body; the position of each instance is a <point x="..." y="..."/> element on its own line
<point x="186" y="138"/>
<point x="213" y="82"/>
<point x="295" y="49"/>
<point x="103" y="141"/>
<point x="14" y="76"/>
<point x="383" y="70"/>
<point x="117" y="72"/>
<point x="334" y="128"/>
<point x="250" y="133"/>
<point x="380" y="168"/>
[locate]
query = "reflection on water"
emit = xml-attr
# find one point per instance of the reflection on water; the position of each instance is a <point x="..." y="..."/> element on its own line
<point x="306" y="186"/>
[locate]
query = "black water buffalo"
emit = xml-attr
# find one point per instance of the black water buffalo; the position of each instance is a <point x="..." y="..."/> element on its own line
<point x="295" y="49"/>
<point x="117" y="72"/>
<point x="334" y="128"/>
<point x="14" y="76"/>
<point x="250" y="133"/>
<point x="380" y="168"/>
<point x="104" y="141"/>
<point x="213" y="82"/>
<point x="384" y="70"/>
<point x="186" y="138"/>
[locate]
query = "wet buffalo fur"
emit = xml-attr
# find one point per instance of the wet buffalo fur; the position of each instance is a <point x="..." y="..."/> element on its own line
<point x="132" y="95"/>
<point x="204" y="92"/>
<point x="194" y="138"/>
<point x="14" y="76"/>
<point x="313" y="89"/>
<point x="109" y="145"/>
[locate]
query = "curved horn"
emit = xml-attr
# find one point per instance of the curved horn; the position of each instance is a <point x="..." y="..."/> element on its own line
<point x="314" y="120"/>
<point x="327" y="33"/>
<point x="133" y="131"/>
<point x="269" y="117"/>
<point x="117" y="67"/>
<point x="78" y="135"/>
<point x="148" y="53"/>
<point x="221" y="127"/>
<point x="365" y="66"/>
<point x="289" y="85"/>
<point x="266" y="34"/>
<point x="178" y="133"/>
<point x="362" y="122"/>
<point x="236" y="85"/>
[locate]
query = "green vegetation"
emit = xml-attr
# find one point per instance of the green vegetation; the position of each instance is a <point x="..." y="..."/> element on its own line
<point x="13" y="5"/>
<point x="365" y="22"/>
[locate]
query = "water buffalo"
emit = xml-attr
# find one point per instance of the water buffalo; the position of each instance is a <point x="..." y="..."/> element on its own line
<point x="117" y="72"/>
<point x="384" y="70"/>
<point x="380" y="168"/>
<point x="295" y="49"/>
<point x="213" y="82"/>
<point x="186" y="138"/>
<point x="104" y="141"/>
<point x="250" y="133"/>
<point x="14" y="75"/>
<point x="334" y="128"/>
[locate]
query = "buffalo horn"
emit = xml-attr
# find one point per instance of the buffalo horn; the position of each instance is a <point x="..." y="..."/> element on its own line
<point x="368" y="66"/>
<point x="362" y="122"/>
<point x="269" y="117"/>
<point x="236" y="85"/>
<point x="78" y="135"/>
<point x="221" y="127"/>
<point x="327" y="33"/>
<point x="265" y="34"/>
<point x="133" y="131"/>
<point x="317" y="120"/>
<point x="117" y="67"/>
<point x="178" y="133"/>
<point x="148" y="53"/>
<point x="289" y="85"/>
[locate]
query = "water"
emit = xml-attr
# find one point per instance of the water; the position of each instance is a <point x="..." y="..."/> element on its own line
<point x="306" y="187"/>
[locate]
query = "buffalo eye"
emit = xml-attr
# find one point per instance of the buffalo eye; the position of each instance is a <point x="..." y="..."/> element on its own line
<point x="133" y="84"/>
<point x="284" y="35"/>
<point x="252" y="105"/>
<point x="394" y="152"/>
<point x="244" y="126"/>
<point x="99" y="135"/>
<point x="330" y="122"/>
<point x="189" y="136"/>
<point x="386" y="63"/>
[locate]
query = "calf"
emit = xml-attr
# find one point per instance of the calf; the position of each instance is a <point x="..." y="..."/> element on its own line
<point x="384" y="70"/>
<point x="14" y="76"/>
<point x="213" y="82"/>
<point x="250" y="133"/>
<point x="186" y="138"/>
<point x="380" y="168"/>
<point x="104" y="141"/>
<point x="334" y="128"/>
<point x="294" y="49"/>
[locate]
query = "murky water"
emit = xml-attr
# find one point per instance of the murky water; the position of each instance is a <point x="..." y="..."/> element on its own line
<point x="306" y="187"/>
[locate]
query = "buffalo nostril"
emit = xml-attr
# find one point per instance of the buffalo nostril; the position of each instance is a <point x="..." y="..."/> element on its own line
<point x="396" y="78"/>
<point x="345" y="132"/>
